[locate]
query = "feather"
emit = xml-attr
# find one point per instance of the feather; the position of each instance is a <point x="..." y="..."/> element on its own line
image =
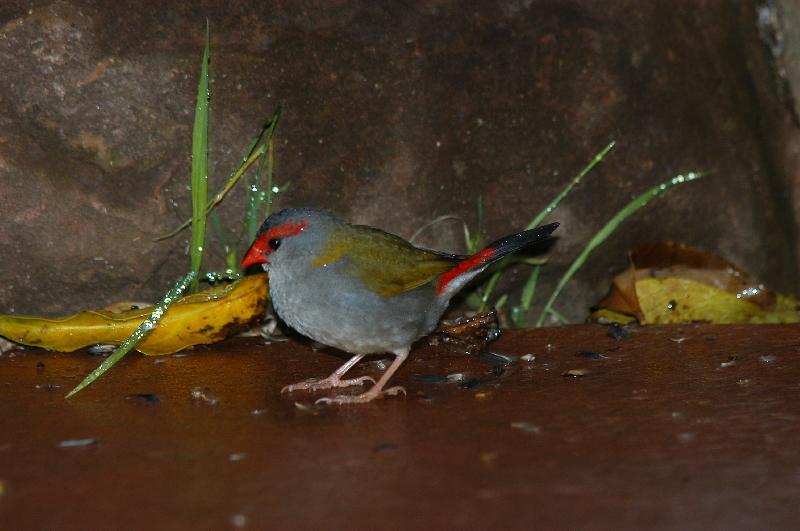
<point x="387" y="264"/>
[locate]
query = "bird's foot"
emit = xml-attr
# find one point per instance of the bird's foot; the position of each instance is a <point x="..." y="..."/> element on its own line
<point x="369" y="396"/>
<point x="314" y="384"/>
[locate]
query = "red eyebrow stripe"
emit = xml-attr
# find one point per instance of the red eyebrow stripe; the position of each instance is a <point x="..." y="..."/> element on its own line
<point x="290" y="228"/>
<point x="284" y="230"/>
<point x="464" y="266"/>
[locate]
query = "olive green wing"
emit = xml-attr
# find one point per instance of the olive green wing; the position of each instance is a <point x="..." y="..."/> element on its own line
<point x="386" y="263"/>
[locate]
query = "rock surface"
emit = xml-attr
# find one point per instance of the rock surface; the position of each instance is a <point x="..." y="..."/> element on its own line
<point x="394" y="114"/>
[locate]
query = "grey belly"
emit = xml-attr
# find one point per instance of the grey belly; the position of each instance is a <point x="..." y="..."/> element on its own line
<point x="342" y="313"/>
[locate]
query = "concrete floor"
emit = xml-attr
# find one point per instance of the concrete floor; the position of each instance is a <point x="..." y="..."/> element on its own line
<point x="693" y="427"/>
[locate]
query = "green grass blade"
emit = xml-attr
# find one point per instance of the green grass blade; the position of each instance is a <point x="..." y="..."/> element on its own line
<point x="271" y="165"/>
<point x="141" y="331"/>
<point x="519" y="314"/>
<point x="200" y="168"/>
<point x="250" y="159"/>
<point x="256" y="196"/>
<point x="259" y="196"/>
<point x="487" y="291"/>
<point x="535" y="222"/>
<point x="608" y="229"/>
<point x="228" y="252"/>
<point x="558" y="316"/>
<point x="228" y="276"/>
<point x="445" y="217"/>
<point x="474" y="243"/>
<point x="530" y="288"/>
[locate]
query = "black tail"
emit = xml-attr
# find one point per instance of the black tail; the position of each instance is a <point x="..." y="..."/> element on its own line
<point x="515" y="242"/>
<point x="493" y="252"/>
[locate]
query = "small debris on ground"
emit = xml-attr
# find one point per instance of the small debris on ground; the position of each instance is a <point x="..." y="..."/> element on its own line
<point x="488" y="458"/>
<point x="527" y="427"/>
<point x="39" y="366"/>
<point x="6" y="346"/>
<point x="258" y="412"/>
<point x="238" y="520"/>
<point x="313" y="409"/>
<point x="238" y="456"/>
<point x="149" y="398"/>
<point x="430" y="378"/>
<point x="769" y="358"/>
<point x="385" y="447"/>
<point x="422" y="397"/>
<point x="575" y="373"/>
<point x="101" y="349"/>
<point x="528" y="357"/>
<point x="77" y="443"/>
<point x="48" y="386"/>
<point x="617" y="331"/>
<point x="729" y="363"/>
<point x="497" y="358"/>
<point x="471" y="334"/>
<point x="591" y="355"/>
<point x="379" y="364"/>
<point x="471" y="383"/>
<point x="204" y="395"/>
<point x="268" y="331"/>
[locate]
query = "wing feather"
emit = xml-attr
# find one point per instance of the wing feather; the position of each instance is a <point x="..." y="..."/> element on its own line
<point x="387" y="264"/>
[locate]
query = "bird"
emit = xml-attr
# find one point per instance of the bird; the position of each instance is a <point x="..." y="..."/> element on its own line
<point x="362" y="290"/>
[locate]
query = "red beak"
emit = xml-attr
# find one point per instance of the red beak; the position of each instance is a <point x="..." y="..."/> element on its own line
<point x="254" y="256"/>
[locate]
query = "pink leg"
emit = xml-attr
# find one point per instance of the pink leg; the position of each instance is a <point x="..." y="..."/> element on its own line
<point x="334" y="380"/>
<point x="376" y="391"/>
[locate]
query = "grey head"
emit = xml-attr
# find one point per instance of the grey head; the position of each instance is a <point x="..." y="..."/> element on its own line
<point x="290" y="238"/>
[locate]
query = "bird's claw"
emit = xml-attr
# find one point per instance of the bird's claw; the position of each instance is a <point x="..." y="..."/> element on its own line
<point x="369" y="396"/>
<point x="313" y="384"/>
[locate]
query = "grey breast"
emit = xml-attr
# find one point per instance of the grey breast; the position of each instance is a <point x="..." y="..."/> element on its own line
<point x="338" y="310"/>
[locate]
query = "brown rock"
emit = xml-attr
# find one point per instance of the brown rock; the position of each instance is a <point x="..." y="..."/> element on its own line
<point x="394" y="114"/>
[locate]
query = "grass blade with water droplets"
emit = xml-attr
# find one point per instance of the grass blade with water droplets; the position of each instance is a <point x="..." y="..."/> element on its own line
<point x="519" y="314"/>
<point x="141" y="331"/>
<point x="259" y="196"/>
<point x="539" y="218"/>
<point x="200" y="168"/>
<point x="598" y="158"/>
<point x="252" y="156"/>
<point x="608" y="229"/>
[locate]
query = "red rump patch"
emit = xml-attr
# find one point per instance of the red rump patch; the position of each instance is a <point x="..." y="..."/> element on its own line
<point x="257" y="254"/>
<point x="464" y="266"/>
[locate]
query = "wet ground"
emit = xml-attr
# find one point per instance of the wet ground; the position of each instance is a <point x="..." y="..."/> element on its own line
<point x="693" y="427"/>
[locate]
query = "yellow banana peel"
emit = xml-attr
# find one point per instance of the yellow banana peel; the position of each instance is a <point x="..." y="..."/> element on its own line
<point x="202" y="318"/>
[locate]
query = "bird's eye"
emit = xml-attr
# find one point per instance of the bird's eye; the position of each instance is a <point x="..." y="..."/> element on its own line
<point x="274" y="243"/>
